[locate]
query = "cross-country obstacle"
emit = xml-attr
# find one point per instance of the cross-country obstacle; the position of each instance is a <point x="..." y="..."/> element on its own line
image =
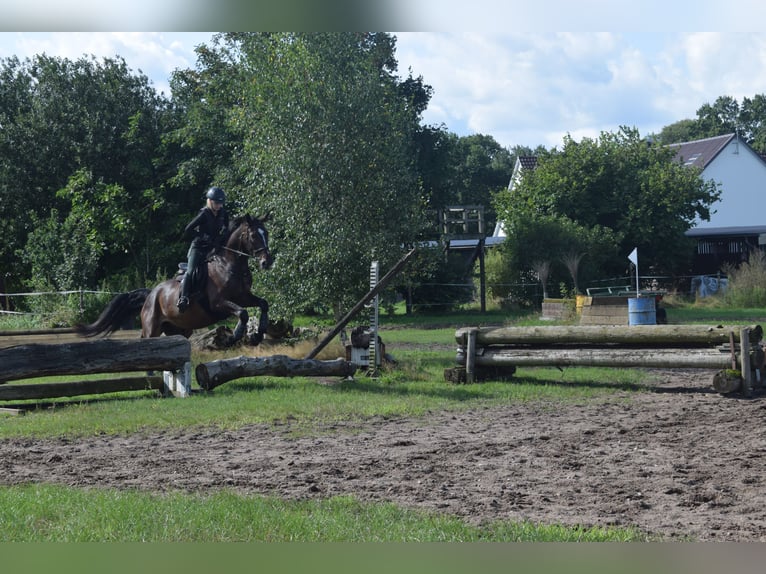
<point x="169" y="355"/>
<point x="494" y="352"/>
<point x="215" y="373"/>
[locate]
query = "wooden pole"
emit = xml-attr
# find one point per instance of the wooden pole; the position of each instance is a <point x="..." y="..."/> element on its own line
<point x="591" y="357"/>
<point x="78" y="388"/>
<point x="655" y="335"/>
<point x="747" y="373"/>
<point x="360" y="305"/>
<point x="94" y="356"/>
<point x="215" y="373"/>
<point x="470" y="358"/>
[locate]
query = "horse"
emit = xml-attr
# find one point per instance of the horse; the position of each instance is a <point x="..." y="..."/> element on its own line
<point x="226" y="292"/>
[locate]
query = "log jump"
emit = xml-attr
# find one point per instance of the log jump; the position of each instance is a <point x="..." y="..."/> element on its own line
<point x="215" y="373"/>
<point x="170" y="355"/>
<point x="483" y="351"/>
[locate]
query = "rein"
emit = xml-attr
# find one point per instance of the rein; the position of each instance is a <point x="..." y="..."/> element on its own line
<point x="251" y="256"/>
<point x="243" y="253"/>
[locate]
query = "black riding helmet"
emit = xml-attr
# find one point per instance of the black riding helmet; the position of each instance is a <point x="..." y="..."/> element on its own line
<point x="216" y="194"/>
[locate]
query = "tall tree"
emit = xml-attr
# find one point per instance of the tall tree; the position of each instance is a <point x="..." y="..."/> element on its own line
<point x="317" y="129"/>
<point x="72" y="130"/>
<point x="617" y="183"/>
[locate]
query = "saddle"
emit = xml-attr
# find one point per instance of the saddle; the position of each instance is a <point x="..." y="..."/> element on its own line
<point x="198" y="277"/>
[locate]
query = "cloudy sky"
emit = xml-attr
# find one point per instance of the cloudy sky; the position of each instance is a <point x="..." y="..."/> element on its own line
<point x="523" y="88"/>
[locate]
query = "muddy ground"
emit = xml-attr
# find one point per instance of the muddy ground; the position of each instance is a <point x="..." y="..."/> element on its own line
<point x="678" y="462"/>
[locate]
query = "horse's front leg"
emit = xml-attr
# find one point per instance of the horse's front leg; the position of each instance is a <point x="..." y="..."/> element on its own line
<point x="263" y="320"/>
<point x="234" y="310"/>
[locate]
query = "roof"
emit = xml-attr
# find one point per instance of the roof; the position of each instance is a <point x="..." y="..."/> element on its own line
<point x="528" y="161"/>
<point x="726" y="231"/>
<point x="700" y="153"/>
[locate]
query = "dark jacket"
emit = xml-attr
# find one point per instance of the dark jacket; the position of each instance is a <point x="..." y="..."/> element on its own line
<point x="208" y="230"/>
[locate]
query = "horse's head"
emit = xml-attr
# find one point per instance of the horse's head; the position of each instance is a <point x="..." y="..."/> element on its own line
<point x="249" y="235"/>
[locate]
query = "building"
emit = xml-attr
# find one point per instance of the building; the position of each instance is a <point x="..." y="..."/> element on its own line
<point x="737" y="223"/>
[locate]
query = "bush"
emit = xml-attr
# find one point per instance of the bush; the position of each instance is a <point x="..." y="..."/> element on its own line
<point x="747" y="283"/>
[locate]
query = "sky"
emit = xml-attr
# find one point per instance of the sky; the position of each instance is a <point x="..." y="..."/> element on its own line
<point x="522" y="84"/>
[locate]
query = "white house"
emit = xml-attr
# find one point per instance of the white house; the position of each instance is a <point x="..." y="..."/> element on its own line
<point x="737" y="222"/>
<point x="741" y="173"/>
<point x="522" y="163"/>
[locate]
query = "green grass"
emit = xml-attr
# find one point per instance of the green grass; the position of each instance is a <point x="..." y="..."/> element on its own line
<point x="46" y="513"/>
<point x="414" y="389"/>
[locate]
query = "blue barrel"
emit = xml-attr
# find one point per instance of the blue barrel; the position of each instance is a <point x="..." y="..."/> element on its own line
<point x="642" y="311"/>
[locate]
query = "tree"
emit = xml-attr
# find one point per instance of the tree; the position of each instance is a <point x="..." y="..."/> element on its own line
<point x="317" y="129"/>
<point x="619" y="187"/>
<point x="62" y="121"/>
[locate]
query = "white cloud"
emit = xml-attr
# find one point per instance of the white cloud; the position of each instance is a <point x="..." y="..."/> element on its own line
<point x="156" y="54"/>
<point x="531" y="89"/>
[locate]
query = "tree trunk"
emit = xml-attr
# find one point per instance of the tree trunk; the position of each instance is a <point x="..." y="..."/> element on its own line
<point x="650" y="358"/>
<point x="657" y="335"/>
<point x="215" y="373"/>
<point x="99" y="356"/>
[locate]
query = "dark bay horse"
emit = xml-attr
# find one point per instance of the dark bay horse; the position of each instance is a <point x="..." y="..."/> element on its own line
<point x="226" y="292"/>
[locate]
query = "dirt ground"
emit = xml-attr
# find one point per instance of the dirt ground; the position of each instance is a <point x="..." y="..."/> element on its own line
<point x="679" y="462"/>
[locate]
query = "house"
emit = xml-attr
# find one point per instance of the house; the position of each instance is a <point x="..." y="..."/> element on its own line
<point x="737" y="220"/>
<point x="526" y="162"/>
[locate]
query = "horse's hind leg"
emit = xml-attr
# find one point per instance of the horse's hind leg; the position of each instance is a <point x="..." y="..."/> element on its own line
<point x="151" y="326"/>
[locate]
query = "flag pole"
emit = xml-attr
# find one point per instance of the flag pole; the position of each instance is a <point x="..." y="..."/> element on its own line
<point x="634" y="259"/>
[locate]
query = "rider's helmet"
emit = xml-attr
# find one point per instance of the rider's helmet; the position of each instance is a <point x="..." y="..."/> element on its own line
<point x="216" y="194"/>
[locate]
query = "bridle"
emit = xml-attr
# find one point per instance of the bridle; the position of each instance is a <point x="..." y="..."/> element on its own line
<point x="252" y="255"/>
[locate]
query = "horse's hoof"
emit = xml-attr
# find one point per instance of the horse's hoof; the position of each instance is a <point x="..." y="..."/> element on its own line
<point x="255" y="339"/>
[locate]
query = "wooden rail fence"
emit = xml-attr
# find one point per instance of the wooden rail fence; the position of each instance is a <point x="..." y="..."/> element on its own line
<point x="486" y="352"/>
<point x="171" y="356"/>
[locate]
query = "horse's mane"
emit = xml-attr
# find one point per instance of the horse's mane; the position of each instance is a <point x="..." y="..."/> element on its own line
<point x="237" y="221"/>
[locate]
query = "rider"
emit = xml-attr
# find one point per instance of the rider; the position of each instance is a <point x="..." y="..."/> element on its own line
<point x="208" y="230"/>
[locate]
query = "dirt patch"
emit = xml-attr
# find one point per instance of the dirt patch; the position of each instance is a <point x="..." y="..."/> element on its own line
<point x="680" y="461"/>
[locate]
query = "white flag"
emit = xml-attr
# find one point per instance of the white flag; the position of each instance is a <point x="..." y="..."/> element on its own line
<point x="634" y="256"/>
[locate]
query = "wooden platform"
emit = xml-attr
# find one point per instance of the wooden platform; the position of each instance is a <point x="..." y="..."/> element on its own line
<point x="605" y="311"/>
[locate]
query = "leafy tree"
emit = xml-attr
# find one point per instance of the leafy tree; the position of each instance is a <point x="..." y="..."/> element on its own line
<point x="608" y="196"/>
<point x="719" y="118"/>
<point x="317" y="129"/>
<point x="724" y="116"/>
<point x="63" y="122"/>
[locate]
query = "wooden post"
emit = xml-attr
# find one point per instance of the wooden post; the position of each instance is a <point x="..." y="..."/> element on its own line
<point x="470" y="356"/>
<point x="747" y="373"/>
<point x="178" y="382"/>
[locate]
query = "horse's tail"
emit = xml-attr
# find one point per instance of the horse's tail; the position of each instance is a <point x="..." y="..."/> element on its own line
<point x="123" y="307"/>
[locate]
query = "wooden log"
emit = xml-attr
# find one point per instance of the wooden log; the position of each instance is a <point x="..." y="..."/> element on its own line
<point x="650" y="358"/>
<point x="94" y="356"/>
<point x="658" y="335"/>
<point x="78" y="388"/>
<point x="56" y="336"/>
<point x="215" y="373"/>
